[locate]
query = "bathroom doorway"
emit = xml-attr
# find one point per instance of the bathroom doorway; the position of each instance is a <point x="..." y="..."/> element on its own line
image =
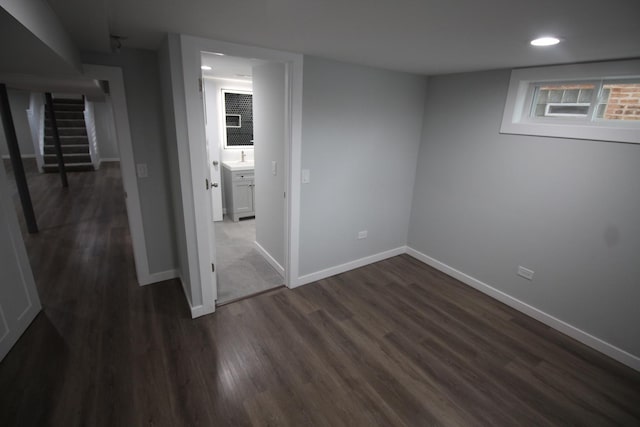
<point x="245" y="145"/>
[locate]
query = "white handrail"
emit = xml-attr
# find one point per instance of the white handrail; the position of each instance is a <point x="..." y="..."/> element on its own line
<point x="90" y="122"/>
<point x="35" y="115"/>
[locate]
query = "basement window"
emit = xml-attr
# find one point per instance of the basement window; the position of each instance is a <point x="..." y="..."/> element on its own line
<point x="599" y="101"/>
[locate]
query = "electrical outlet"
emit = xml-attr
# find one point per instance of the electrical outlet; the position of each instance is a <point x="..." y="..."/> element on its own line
<point x="306" y="176"/>
<point x="525" y="272"/>
<point x="141" y="170"/>
<point x="362" y="234"/>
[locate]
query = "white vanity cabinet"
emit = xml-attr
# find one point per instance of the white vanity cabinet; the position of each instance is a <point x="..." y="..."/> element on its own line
<point x="238" y="191"/>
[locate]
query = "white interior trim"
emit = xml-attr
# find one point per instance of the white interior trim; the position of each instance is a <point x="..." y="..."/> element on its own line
<point x="351" y="265"/>
<point x="197" y="310"/>
<point x="596" y="343"/>
<point x="271" y="260"/>
<point x="160" y="277"/>
<point x="184" y="165"/>
<point x="515" y="119"/>
<point x="127" y="164"/>
<point x="202" y="310"/>
<point x="191" y="48"/>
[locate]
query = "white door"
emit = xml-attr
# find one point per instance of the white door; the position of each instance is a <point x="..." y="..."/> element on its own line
<point x="213" y="146"/>
<point x="269" y="120"/>
<point x="213" y="179"/>
<point x="19" y="302"/>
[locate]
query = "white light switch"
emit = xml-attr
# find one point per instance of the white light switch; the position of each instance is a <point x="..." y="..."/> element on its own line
<point x="306" y="176"/>
<point x="525" y="272"/>
<point x="274" y="168"/>
<point x="141" y="169"/>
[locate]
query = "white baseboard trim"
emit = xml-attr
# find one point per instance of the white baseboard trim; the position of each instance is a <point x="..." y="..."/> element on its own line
<point x="202" y="310"/>
<point x="24" y="156"/>
<point x="271" y="260"/>
<point x="158" y="277"/>
<point x="596" y="343"/>
<point x="198" y="310"/>
<point x="109" y="159"/>
<point x="352" y="265"/>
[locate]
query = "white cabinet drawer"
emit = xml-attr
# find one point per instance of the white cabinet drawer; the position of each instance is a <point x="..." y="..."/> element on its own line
<point x="242" y="175"/>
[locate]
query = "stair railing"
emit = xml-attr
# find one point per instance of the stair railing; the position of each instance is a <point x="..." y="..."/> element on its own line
<point x="36" y="117"/>
<point x="90" y="122"/>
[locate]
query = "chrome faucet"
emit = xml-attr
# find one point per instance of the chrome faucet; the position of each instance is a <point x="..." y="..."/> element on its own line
<point x="242" y="155"/>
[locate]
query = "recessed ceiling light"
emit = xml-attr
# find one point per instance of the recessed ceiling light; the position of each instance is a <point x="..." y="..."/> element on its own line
<point x="545" y="41"/>
<point x="206" y="68"/>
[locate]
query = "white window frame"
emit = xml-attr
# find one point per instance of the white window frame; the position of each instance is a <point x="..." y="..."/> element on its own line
<point x="548" y="113"/>
<point x="517" y="120"/>
<point x="239" y="116"/>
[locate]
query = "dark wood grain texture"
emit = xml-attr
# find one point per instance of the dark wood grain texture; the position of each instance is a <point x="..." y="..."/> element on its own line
<point x="393" y="343"/>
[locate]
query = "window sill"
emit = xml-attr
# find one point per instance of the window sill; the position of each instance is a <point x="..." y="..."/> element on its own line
<point x="515" y="118"/>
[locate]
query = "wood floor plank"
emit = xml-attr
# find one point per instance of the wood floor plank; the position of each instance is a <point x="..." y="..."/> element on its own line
<point x="395" y="343"/>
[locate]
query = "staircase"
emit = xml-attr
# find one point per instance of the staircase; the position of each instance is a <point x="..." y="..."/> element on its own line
<point x="73" y="137"/>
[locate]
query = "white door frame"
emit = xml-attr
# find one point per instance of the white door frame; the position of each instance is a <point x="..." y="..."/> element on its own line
<point x="191" y="49"/>
<point x="127" y="166"/>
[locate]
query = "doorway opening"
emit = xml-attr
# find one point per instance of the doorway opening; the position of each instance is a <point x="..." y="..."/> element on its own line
<point x="85" y="231"/>
<point x="245" y="145"/>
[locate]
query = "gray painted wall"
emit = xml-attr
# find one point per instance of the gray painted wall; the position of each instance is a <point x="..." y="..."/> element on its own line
<point x="485" y="203"/>
<point x="105" y="130"/>
<point x="269" y="122"/>
<point x="142" y="86"/>
<point x="19" y="102"/>
<point x="360" y="137"/>
<point x="168" y="80"/>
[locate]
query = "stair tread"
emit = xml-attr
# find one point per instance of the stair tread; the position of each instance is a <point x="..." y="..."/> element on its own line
<point x="66" y="127"/>
<point x="67" y="136"/>
<point x="71" y="167"/>
<point x="68" y="155"/>
<point x="71" y="164"/>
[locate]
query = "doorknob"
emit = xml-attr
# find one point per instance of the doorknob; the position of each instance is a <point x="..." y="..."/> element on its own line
<point x="213" y="184"/>
<point x="215" y="163"/>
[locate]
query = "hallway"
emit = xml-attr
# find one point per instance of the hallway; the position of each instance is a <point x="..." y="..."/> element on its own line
<point x="101" y="347"/>
<point x="392" y="343"/>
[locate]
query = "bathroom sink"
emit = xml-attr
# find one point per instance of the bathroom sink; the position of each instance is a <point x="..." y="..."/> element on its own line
<point x="238" y="166"/>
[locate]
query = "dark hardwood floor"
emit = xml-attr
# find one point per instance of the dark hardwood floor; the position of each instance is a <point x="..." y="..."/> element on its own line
<point x="394" y="343"/>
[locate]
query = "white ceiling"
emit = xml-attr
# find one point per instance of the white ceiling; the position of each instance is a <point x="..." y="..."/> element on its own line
<point x="422" y="36"/>
<point x="228" y="67"/>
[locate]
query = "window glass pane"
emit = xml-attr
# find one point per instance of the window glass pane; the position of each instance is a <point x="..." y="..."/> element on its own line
<point x="567" y="110"/>
<point x="622" y="101"/>
<point x="570" y="95"/>
<point x="555" y="95"/>
<point x="585" y="95"/>
<point x="563" y="100"/>
<point x="543" y="96"/>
